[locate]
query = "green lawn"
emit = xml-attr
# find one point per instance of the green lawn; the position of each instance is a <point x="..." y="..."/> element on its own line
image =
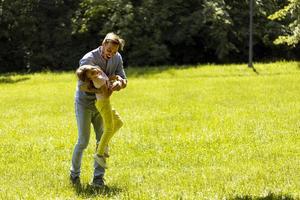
<point x="195" y="132"/>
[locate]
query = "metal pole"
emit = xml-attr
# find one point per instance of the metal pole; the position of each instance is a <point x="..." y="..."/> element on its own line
<point x="250" y="64"/>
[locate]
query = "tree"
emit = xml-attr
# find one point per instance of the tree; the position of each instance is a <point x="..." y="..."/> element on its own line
<point x="182" y="31"/>
<point x="16" y="30"/>
<point x="52" y="45"/>
<point x="292" y="35"/>
<point x="36" y="34"/>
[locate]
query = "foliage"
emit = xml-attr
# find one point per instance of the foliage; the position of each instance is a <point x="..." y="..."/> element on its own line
<point x="40" y="34"/>
<point x="292" y="36"/>
<point x="183" y="31"/>
<point x="35" y="34"/>
<point x="15" y="31"/>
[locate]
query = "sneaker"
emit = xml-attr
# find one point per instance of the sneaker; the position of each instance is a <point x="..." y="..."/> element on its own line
<point x="98" y="181"/>
<point x="75" y="180"/>
<point x="100" y="160"/>
<point x="106" y="150"/>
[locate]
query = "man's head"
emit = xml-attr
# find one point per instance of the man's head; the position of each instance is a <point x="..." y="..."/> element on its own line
<point x="111" y="45"/>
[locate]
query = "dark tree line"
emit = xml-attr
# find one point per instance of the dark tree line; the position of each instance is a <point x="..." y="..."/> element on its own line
<point x="39" y="34"/>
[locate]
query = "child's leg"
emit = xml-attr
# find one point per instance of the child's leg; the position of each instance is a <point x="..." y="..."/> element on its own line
<point x="105" y="110"/>
<point x="118" y="122"/>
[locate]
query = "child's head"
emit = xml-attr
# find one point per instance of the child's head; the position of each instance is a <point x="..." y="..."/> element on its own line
<point x="86" y="73"/>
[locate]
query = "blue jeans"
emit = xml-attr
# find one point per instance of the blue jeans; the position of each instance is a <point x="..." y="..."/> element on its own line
<point x="85" y="116"/>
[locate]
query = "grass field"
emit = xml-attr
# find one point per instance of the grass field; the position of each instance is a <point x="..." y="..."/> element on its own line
<point x="195" y="132"/>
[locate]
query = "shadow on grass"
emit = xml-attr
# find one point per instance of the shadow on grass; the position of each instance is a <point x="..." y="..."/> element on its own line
<point x="135" y="72"/>
<point x="87" y="190"/>
<point x="148" y="71"/>
<point x="270" y="196"/>
<point x="9" y="80"/>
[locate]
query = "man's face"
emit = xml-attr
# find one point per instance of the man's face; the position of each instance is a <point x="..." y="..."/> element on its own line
<point x="109" y="50"/>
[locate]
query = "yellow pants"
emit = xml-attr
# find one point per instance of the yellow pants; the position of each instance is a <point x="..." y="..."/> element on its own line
<point x="111" y="123"/>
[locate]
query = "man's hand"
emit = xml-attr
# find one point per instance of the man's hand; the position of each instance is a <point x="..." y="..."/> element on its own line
<point x="124" y="83"/>
<point x="117" y="82"/>
<point x="116" y="86"/>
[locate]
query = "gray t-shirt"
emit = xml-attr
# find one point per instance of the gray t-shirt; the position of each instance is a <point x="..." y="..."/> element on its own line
<point x="113" y="66"/>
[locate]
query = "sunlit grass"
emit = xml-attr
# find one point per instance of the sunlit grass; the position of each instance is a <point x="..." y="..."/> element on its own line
<point x="193" y="132"/>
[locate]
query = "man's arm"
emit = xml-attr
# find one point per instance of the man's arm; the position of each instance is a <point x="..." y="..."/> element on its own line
<point x="120" y="75"/>
<point x="88" y="59"/>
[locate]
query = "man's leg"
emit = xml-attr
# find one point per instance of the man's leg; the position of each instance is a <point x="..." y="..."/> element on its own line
<point x="83" y="117"/>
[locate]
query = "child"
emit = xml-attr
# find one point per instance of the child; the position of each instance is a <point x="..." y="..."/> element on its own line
<point x="96" y="78"/>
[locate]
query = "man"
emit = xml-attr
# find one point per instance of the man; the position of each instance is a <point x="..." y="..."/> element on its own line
<point x="110" y="61"/>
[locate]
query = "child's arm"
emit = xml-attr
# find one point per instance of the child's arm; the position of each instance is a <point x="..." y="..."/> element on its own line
<point x="98" y="86"/>
<point x="84" y="87"/>
<point x="103" y="89"/>
<point x="99" y="82"/>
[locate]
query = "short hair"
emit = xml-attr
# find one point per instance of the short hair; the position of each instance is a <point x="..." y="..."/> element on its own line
<point x="115" y="39"/>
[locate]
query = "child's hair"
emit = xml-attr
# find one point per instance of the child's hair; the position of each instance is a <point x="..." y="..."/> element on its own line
<point x="81" y="74"/>
<point x="115" y="39"/>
